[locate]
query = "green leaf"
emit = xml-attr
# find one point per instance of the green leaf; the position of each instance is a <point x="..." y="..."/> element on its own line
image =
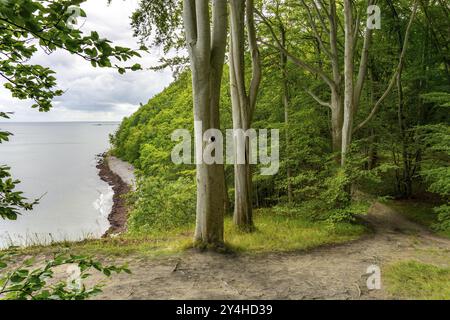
<point x="136" y="67"/>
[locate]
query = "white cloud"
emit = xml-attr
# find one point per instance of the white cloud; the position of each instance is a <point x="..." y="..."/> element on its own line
<point x="94" y="94"/>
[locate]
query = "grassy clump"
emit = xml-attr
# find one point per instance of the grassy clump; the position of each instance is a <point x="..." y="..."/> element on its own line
<point x="419" y="212"/>
<point x="274" y="233"/>
<point x="415" y="280"/>
<point x="281" y="233"/>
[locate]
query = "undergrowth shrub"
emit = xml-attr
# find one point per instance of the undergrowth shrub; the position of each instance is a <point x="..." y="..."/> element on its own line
<point x="436" y="170"/>
<point x="163" y="205"/>
<point x="443" y="213"/>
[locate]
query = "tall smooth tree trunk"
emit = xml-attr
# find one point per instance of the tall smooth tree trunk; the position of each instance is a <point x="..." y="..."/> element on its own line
<point x="243" y="104"/>
<point x="286" y="102"/>
<point x="206" y="48"/>
<point x="406" y="176"/>
<point x="373" y="139"/>
<point x="406" y="181"/>
<point x="217" y="64"/>
<point x="349" y="83"/>
<point x="353" y="89"/>
<point x="226" y="198"/>
<point x="336" y="103"/>
<point x="337" y="120"/>
<point x="372" y="154"/>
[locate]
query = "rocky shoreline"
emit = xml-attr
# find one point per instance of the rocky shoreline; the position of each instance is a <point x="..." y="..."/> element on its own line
<point x="119" y="212"/>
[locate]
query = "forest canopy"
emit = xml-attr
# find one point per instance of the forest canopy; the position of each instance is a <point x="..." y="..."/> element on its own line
<point x="375" y="125"/>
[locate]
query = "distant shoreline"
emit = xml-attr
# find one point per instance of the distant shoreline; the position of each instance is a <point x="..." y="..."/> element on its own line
<point x="119" y="212"/>
<point x="60" y="122"/>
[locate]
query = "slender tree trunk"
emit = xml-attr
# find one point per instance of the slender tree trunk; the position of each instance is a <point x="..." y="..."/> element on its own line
<point x="373" y="148"/>
<point x="337" y="120"/>
<point x="243" y="214"/>
<point x="349" y="84"/>
<point x="284" y="75"/>
<point x="337" y="111"/>
<point x="217" y="64"/>
<point x="406" y="175"/>
<point x="207" y="53"/>
<point x="406" y="183"/>
<point x="226" y="198"/>
<point x="243" y="104"/>
<point x="372" y="154"/>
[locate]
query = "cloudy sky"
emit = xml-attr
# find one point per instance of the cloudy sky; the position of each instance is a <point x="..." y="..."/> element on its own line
<point x="94" y="94"/>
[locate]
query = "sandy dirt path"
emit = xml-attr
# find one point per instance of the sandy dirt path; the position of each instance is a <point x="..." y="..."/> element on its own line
<point x="334" y="272"/>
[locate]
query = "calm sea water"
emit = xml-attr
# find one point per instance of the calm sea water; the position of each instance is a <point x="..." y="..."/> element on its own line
<point x="57" y="161"/>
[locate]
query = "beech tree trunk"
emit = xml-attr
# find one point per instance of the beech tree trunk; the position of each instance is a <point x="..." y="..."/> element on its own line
<point x="243" y="103"/>
<point x="337" y="120"/>
<point x="406" y="181"/>
<point x="348" y="76"/>
<point x="286" y="102"/>
<point x="336" y="104"/>
<point x="206" y="48"/>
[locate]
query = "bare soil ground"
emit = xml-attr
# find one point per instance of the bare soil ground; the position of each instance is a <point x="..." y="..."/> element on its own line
<point x="334" y="272"/>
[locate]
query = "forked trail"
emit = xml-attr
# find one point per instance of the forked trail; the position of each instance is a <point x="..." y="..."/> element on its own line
<point x="334" y="272"/>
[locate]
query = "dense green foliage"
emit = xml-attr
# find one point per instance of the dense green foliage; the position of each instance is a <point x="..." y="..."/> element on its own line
<point x="400" y="149"/>
<point x="166" y="192"/>
<point x="165" y="195"/>
<point x="402" y="152"/>
<point x="436" y="167"/>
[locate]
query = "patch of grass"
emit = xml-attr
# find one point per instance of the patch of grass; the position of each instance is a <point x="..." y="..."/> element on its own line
<point x="281" y="233"/>
<point x="445" y="234"/>
<point x="153" y="244"/>
<point x="419" y="281"/>
<point x="274" y="232"/>
<point x="419" y="212"/>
